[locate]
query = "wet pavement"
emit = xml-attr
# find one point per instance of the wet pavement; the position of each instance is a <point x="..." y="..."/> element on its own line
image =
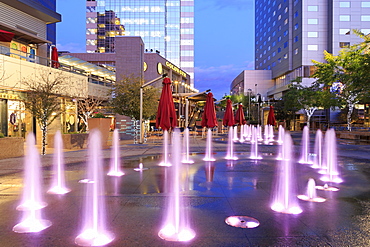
<point x="214" y="191"/>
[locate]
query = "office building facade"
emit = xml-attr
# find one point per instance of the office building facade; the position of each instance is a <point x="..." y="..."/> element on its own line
<point x="166" y="27"/>
<point x="289" y="34"/>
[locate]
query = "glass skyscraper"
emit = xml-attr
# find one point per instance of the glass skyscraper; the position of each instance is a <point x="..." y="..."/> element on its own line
<point x="166" y="27"/>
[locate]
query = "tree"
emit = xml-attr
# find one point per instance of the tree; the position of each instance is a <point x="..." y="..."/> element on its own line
<point x="308" y="98"/>
<point x="126" y="98"/>
<point x="43" y="99"/>
<point x="86" y="108"/>
<point x="346" y="75"/>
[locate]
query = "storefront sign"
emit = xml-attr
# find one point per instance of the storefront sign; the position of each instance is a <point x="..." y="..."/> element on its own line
<point x="174" y="68"/>
<point x="8" y="96"/>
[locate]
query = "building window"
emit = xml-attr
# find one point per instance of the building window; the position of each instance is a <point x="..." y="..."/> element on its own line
<point x="285" y="55"/>
<point x="279" y="39"/>
<point x="273" y="43"/>
<point x="312" y="34"/>
<point x="312" y="47"/>
<point x="365" y="31"/>
<point x="296" y="51"/>
<point x="286" y="9"/>
<point x="312" y="8"/>
<point x="273" y="54"/>
<point x="279" y="60"/>
<point x="295" y="39"/>
<point x="344" y="31"/>
<point x="279" y="7"/>
<point x="296" y="26"/>
<point x="344" y="4"/>
<point x="279" y="17"/>
<point x="279" y="28"/>
<point x="286" y="32"/>
<point x="344" y="44"/>
<point x="274" y="13"/>
<point x="344" y="17"/>
<point x="286" y="44"/>
<point x="365" y="17"/>
<point x="279" y="49"/>
<point x="365" y="4"/>
<point x="286" y="21"/>
<point x="312" y="21"/>
<point x="295" y="14"/>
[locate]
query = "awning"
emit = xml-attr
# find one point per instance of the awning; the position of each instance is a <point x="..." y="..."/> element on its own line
<point x="21" y="33"/>
<point x="6" y="36"/>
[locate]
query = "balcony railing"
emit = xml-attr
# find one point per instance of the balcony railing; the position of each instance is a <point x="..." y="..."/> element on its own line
<point x="47" y="62"/>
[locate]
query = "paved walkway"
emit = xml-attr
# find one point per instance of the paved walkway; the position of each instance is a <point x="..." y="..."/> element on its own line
<point x="214" y="191"/>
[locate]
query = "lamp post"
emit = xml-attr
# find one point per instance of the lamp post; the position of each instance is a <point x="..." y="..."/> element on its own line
<point x="141" y="104"/>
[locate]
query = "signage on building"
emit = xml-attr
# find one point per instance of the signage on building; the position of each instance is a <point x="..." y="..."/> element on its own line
<point x="174" y="68"/>
<point x="8" y="96"/>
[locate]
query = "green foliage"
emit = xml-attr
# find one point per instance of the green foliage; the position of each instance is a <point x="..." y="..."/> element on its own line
<point x="99" y="115"/>
<point x="2" y="135"/>
<point x="126" y="100"/>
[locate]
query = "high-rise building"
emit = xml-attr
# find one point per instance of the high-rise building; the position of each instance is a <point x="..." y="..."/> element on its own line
<point x="289" y="34"/>
<point x="166" y="27"/>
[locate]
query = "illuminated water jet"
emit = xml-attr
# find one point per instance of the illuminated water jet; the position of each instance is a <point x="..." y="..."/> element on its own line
<point x="58" y="184"/>
<point x="284" y="196"/>
<point x="254" y="147"/>
<point x="186" y="158"/>
<point x="230" y="146"/>
<point x="280" y="134"/>
<point x="311" y="193"/>
<point x="115" y="161"/>
<point x="209" y="154"/>
<point x="305" y="144"/>
<point x="32" y="203"/>
<point x="165" y="150"/>
<point x="330" y="163"/>
<point x="141" y="168"/>
<point x="317" y="163"/>
<point x="94" y="230"/>
<point x="176" y="225"/>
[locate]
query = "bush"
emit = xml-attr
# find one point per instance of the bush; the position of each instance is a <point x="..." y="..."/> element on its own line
<point x="99" y="115"/>
<point x="2" y="135"/>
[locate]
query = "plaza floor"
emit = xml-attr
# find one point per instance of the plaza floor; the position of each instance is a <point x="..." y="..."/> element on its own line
<point x="135" y="202"/>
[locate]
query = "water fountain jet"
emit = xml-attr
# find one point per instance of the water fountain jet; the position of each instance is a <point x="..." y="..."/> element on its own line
<point x="187" y="159"/>
<point x="209" y="154"/>
<point x="115" y="162"/>
<point x="94" y="230"/>
<point x="311" y="195"/>
<point x="230" y="146"/>
<point x="165" y="150"/>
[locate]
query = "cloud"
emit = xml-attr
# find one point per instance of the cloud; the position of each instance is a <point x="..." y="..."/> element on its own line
<point x="71" y="47"/>
<point x="219" y="78"/>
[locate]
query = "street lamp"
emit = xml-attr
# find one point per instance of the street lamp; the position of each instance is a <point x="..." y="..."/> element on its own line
<point x="141" y="104"/>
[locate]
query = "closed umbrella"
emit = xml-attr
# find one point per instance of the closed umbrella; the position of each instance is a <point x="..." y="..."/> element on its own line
<point x="239" y="116"/>
<point x="209" y="119"/>
<point x="271" y="117"/>
<point x="6" y="36"/>
<point x="228" y="119"/>
<point x="54" y="58"/>
<point x="166" y="114"/>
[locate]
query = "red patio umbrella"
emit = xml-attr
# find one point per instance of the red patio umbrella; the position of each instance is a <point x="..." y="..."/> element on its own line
<point x="271" y="117"/>
<point x="228" y="119"/>
<point x="239" y="116"/>
<point x="6" y="36"/>
<point x="54" y="58"/>
<point x="166" y="114"/>
<point x="209" y="119"/>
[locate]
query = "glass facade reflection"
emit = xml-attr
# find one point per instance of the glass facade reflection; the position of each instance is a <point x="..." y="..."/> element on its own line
<point x="166" y="26"/>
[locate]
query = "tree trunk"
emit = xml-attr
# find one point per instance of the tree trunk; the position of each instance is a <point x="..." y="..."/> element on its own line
<point x="349" y="116"/>
<point x="44" y="132"/>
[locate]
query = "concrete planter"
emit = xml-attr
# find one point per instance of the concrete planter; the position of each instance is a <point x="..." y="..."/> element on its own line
<point x="11" y="147"/>
<point x="103" y="125"/>
<point x="71" y="141"/>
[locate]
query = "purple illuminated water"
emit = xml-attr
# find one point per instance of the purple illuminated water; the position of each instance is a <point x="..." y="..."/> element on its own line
<point x="32" y="198"/>
<point x="311" y="194"/>
<point x="186" y="158"/>
<point x="284" y="191"/>
<point x="94" y="230"/>
<point x="330" y="163"/>
<point x="305" y="144"/>
<point x="176" y="226"/>
<point x="32" y="202"/>
<point x="271" y="133"/>
<point x="248" y="132"/>
<point x="230" y="146"/>
<point x="259" y="133"/>
<point x="266" y="135"/>
<point x="58" y="184"/>
<point x="317" y="163"/>
<point x="115" y="161"/>
<point x="254" y="146"/>
<point x="235" y="134"/>
<point x="281" y="134"/>
<point x="209" y="154"/>
<point x="241" y="139"/>
<point x="165" y="161"/>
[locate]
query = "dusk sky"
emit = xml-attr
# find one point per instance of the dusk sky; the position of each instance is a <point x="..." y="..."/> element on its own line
<point x="224" y="39"/>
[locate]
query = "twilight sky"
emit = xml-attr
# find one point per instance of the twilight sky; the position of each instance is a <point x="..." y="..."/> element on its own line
<point x="224" y="39"/>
